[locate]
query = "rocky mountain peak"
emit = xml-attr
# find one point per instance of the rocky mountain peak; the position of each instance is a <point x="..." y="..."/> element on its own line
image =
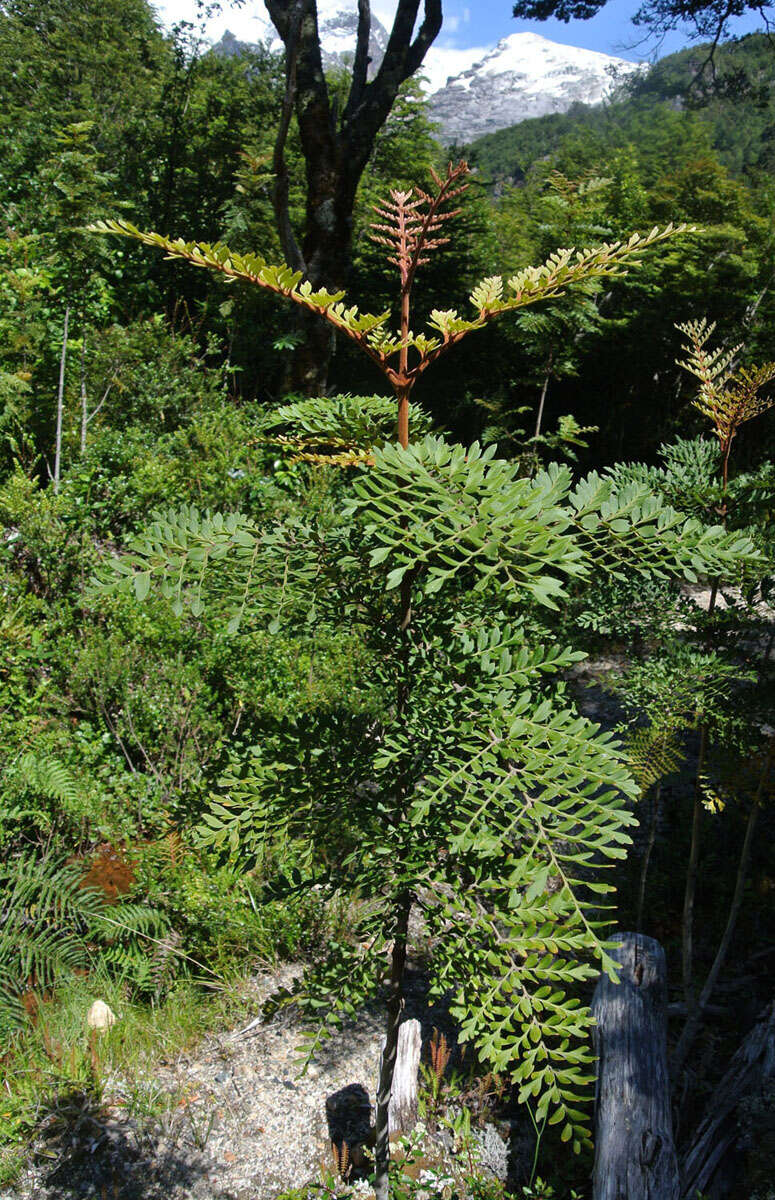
<point x="474" y="91"/>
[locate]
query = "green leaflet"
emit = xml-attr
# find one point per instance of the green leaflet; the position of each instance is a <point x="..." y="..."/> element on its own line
<point x="438" y="511"/>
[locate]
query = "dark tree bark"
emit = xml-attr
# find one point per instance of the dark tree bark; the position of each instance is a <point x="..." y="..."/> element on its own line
<point x="696" y="1012"/>
<point x="635" y="1156"/>
<point x="336" y="149"/>
<point x="751" y="1070"/>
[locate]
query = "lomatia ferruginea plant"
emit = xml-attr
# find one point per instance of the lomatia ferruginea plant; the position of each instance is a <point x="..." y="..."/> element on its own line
<point x="466" y="787"/>
<point x="729" y="395"/>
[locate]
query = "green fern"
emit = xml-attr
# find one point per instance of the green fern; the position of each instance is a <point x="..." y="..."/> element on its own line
<point x="38" y="792"/>
<point x="51" y="925"/>
<point x="338" y="429"/>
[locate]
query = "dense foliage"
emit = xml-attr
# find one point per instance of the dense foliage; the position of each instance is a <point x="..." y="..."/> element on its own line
<point x="227" y="769"/>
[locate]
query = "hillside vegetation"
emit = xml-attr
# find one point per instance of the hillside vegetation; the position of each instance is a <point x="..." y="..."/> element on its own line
<point x="273" y="681"/>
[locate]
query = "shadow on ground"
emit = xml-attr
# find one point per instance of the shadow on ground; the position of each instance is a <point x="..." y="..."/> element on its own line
<point x="88" y="1150"/>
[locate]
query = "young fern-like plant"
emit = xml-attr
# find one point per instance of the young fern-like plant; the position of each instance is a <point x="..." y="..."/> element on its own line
<point x="468" y="788"/>
<point x="728" y="397"/>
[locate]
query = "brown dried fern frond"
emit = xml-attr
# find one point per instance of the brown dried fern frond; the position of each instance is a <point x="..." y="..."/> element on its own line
<point x="341" y="1155"/>
<point x="440" y="1054"/>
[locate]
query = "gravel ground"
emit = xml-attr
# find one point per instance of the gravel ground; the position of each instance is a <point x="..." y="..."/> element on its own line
<point x="241" y="1125"/>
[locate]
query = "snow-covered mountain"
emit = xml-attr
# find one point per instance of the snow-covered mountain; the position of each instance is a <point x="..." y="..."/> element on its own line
<point x="523" y="76"/>
<point x="472" y="91"/>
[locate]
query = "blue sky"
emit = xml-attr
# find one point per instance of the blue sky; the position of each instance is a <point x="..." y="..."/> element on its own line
<point x="474" y="22"/>
<point x="471" y="23"/>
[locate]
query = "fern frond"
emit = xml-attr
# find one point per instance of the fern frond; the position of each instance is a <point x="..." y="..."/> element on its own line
<point x="534" y="801"/>
<point x="653" y="754"/>
<point x="52" y="925"/>
<point x="49" y="777"/>
<point x="340" y="430"/>
<point x="410" y="227"/>
<point x="44" y="907"/>
<point x="253" y="268"/>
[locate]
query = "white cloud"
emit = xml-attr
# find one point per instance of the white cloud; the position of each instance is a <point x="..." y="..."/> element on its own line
<point x="251" y="23"/>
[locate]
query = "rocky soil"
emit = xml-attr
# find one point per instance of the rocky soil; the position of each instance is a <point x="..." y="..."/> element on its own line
<point x="237" y="1123"/>
<point x="240" y="1122"/>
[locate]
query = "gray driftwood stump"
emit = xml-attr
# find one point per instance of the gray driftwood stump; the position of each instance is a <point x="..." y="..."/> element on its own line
<point x="348" y="1111"/>
<point x="635" y="1156"/>
<point x="402" y="1113"/>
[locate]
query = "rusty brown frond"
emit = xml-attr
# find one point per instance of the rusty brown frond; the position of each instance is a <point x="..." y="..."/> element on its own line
<point x="440" y="1054"/>
<point x="341" y="1154"/>
<point x="728" y="398"/>
<point x="411" y="223"/>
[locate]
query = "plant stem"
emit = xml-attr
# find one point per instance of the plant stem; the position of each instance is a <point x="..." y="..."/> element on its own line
<point x="713" y="598"/>
<point x="395" y="1001"/>
<point x="403" y="416"/>
<point x="723" y="513"/>
<point x="694" y="1019"/>
<point x="61" y="402"/>
<point x="395" y="1004"/>
<point x="656" y="805"/>
<point x="539" y="1134"/>
<point x="691" y="874"/>
<point x="544" y="390"/>
<point x="84" y="401"/>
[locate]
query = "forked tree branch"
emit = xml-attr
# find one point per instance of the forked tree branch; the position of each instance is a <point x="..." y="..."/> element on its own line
<point x="361" y="63"/>
<point x="281" y="189"/>
<point x="403" y="56"/>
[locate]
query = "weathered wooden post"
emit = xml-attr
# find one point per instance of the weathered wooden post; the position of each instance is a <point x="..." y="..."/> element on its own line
<point x="635" y="1156"/>
<point x="348" y="1111"/>
<point x="402" y="1112"/>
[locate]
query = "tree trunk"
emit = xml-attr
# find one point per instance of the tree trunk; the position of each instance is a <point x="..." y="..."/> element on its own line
<point x="84" y="399"/>
<point x="635" y="1156"/>
<point x="326" y="254"/>
<point x="694" y="1019"/>
<point x="336" y="149"/>
<point x="311" y="360"/>
<point x="395" y="1004"/>
<point x="751" y="1069"/>
<point x="656" y="806"/>
<point x="542" y="401"/>
<point x="687" y="927"/>
<point x="61" y="403"/>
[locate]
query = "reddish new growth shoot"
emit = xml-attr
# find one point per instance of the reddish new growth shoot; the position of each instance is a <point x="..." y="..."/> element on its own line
<point x="410" y="224"/>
